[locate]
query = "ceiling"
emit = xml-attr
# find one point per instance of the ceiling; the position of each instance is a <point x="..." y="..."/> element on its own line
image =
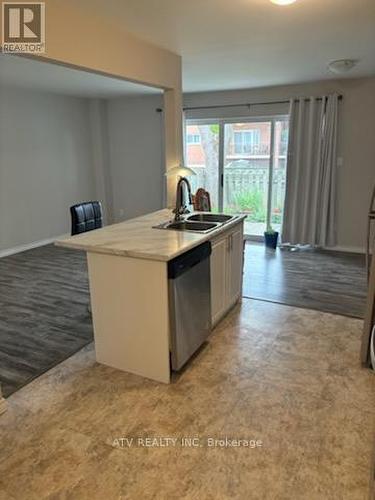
<point x="227" y="44"/>
<point x="37" y="75"/>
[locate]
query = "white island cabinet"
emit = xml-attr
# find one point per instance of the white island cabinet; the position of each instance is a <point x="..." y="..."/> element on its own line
<point x="226" y="271"/>
<point x="128" y="278"/>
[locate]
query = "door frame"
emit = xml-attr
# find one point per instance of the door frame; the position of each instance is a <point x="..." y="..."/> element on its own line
<point x="224" y="121"/>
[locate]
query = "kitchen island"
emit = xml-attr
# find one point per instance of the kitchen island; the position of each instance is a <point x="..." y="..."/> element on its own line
<point x="127" y="267"/>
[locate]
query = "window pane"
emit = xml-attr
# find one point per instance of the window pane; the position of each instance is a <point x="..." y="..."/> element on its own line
<point x="246" y="172"/>
<point x="202" y="155"/>
<point x="238" y="142"/>
<point x="247" y="142"/>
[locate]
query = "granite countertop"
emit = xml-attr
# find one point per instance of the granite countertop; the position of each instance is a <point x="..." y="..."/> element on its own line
<point x="137" y="238"/>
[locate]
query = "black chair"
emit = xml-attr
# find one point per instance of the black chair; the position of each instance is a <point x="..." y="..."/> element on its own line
<point x="86" y="216"/>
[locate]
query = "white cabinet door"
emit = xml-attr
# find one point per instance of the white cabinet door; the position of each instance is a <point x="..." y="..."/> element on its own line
<point x="234" y="266"/>
<point x="218" y="279"/>
<point x="226" y="272"/>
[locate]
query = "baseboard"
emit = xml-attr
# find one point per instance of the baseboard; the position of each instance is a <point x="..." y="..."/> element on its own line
<point x="340" y="248"/>
<point x="30" y="246"/>
<point x="337" y="248"/>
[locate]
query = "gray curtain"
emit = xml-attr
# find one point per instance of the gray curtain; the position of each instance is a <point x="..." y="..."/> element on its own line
<point x="310" y="202"/>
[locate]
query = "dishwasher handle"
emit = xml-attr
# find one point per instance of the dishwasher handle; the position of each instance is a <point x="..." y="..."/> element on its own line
<point x="181" y="264"/>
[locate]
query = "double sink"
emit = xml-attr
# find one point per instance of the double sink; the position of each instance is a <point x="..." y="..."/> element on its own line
<point x="198" y="223"/>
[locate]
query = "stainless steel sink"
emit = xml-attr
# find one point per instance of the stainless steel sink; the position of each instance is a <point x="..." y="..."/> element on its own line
<point x="204" y="217"/>
<point x="194" y="226"/>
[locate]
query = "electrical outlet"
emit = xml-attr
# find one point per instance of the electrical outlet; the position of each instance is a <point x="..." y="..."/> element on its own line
<point x="340" y="161"/>
<point x="121" y="212"/>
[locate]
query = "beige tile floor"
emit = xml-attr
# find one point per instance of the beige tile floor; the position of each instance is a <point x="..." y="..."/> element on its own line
<point x="288" y="377"/>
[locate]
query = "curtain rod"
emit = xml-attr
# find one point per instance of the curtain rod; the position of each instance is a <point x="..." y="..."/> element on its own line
<point x="249" y="104"/>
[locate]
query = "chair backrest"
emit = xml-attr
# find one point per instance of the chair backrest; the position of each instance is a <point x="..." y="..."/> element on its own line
<point x="202" y="201"/>
<point x="86" y="216"/>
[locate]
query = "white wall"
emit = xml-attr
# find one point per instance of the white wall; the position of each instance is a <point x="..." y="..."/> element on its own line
<point x="57" y="150"/>
<point x="356" y="177"/>
<point x="45" y="164"/>
<point x="49" y="156"/>
<point x="135" y="131"/>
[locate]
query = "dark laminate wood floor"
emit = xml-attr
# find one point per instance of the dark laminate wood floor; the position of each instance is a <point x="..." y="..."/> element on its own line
<point x="327" y="281"/>
<point x="43" y="312"/>
<point x="44" y="297"/>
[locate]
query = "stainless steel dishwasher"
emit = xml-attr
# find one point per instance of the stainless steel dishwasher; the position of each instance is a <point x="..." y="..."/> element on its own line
<point x="189" y="302"/>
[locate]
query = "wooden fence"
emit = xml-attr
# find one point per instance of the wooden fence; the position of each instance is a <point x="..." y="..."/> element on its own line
<point x="245" y="180"/>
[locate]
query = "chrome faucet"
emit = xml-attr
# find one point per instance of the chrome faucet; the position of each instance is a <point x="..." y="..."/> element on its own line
<point x="181" y="206"/>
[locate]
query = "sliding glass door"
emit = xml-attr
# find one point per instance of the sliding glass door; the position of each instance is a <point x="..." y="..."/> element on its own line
<point x="202" y="155"/>
<point x="243" y="166"/>
<point x="247" y="150"/>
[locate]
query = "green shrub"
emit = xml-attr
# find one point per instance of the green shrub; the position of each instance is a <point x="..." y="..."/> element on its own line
<point x="251" y="202"/>
<point x="276" y="218"/>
